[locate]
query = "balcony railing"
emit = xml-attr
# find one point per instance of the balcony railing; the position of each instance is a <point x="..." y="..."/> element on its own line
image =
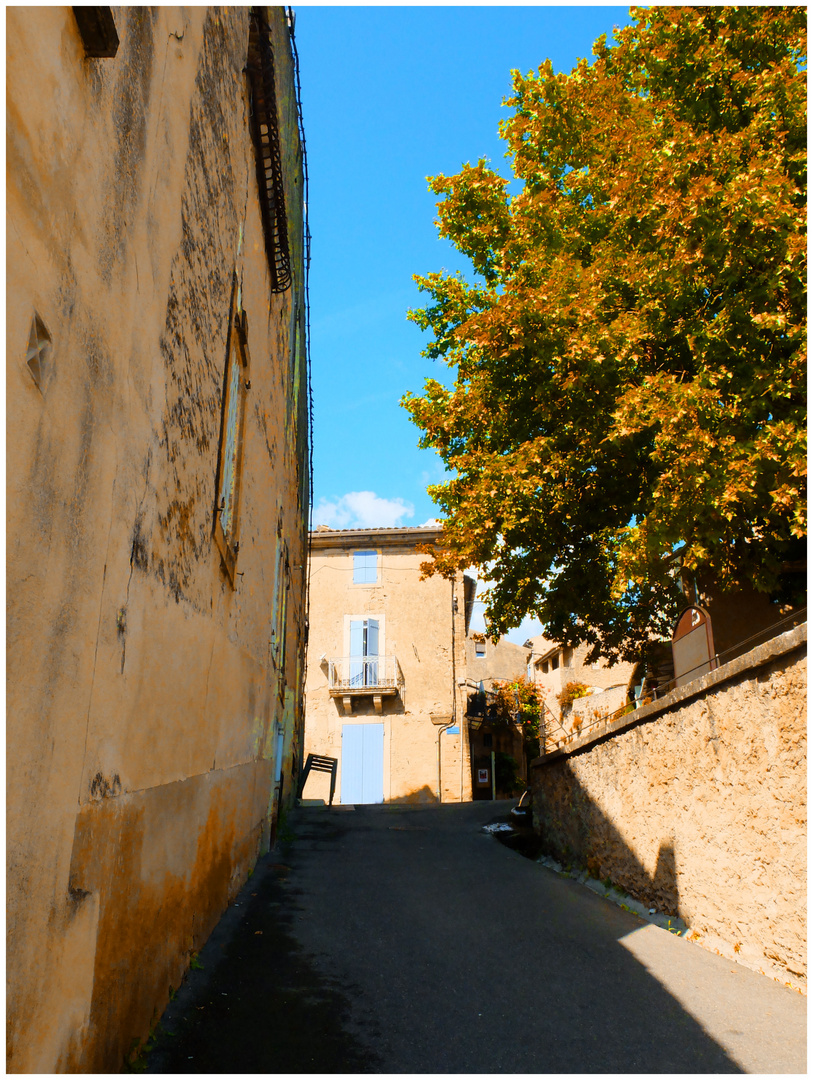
<point x="364" y="675"/>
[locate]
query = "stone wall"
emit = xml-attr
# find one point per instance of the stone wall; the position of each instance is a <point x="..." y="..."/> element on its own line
<point x="572" y="666"/>
<point x="697" y="805"/>
<point x="144" y="710"/>
<point x="586" y="710"/>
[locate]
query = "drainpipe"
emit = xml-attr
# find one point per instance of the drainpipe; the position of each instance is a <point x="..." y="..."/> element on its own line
<point x="454" y="695"/>
<point x="440" y="734"/>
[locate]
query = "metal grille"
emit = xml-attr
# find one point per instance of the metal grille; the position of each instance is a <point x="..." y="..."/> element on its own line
<point x="265" y="131"/>
<point x="354" y="673"/>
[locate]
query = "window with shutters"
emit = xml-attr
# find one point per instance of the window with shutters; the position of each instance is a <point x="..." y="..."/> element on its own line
<point x="230" y="460"/>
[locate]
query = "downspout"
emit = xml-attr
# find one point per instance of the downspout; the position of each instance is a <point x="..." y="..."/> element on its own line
<point x="440" y="733"/>
<point x="454" y="698"/>
<point x="465" y="697"/>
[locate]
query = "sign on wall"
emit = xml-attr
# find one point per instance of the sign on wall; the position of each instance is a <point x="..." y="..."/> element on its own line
<point x="692" y="646"/>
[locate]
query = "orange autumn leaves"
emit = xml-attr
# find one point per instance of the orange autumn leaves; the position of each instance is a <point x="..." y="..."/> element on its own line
<point x="630" y="354"/>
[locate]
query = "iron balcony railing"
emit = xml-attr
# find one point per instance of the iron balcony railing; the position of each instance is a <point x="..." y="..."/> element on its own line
<point x="357" y="674"/>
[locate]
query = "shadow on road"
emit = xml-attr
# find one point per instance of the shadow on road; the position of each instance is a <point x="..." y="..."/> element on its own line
<point x="403" y="939"/>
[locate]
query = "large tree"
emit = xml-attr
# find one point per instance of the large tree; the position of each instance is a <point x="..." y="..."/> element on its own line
<point x="629" y="353"/>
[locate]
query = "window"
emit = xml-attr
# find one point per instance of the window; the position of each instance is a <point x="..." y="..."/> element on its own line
<point x="479" y="649"/>
<point x="365" y="567"/>
<point x="554" y="662"/>
<point x="545" y="667"/>
<point x="280" y="609"/>
<point x="229" y="470"/>
<point x="364" y="652"/>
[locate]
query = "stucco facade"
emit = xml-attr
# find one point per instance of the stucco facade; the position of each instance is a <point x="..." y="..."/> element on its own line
<point x="154" y="718"/>
<point x="490" y="661"/>
<point x="410" y="694"/>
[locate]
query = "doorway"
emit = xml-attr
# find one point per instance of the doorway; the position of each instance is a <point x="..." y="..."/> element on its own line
<point x="362" y="779"/>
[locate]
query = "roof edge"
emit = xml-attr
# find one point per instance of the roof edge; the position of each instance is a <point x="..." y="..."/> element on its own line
<point x="352" y="537"/>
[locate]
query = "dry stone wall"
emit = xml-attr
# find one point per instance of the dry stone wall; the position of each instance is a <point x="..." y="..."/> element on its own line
<point x="700" y="810"/>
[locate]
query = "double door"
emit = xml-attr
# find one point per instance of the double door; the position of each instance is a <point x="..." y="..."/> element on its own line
<point x="362" y="763"/>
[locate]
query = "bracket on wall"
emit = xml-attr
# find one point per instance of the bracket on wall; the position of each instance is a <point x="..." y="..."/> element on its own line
<point x="347" y="703"/>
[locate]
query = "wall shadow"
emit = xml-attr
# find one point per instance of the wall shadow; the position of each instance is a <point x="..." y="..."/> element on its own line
<point x="423" y="796"/>
<point x="473" y="960"/>
<point x="573" y="829"/>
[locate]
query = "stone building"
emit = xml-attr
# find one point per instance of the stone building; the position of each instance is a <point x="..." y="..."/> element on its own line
<point x="553" y="667"/>
<point x="158" y="486"/>
<point x="386" y="683"/>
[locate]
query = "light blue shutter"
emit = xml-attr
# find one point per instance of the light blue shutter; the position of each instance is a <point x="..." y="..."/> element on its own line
<point x="371" y="567"/>
<point x="365" y="567"/>
<point x="371" y="650"/>
<point x="356" y="649"/>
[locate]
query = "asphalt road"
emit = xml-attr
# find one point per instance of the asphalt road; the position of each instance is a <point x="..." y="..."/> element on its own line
<point x="396" y="939"/>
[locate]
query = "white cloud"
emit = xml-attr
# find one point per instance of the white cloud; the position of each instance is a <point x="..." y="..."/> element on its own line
<point x="361" y="510"/>
<point x="430" y="521"/>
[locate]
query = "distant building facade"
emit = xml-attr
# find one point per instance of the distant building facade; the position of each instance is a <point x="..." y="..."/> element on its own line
<point x="554" y="666"/>
<point x="386" y="683"/>
<point x="497" y="751"/>
<point x="157" y="501"/>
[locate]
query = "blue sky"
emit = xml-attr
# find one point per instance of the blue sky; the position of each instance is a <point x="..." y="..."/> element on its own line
<point x="391" y="95"/>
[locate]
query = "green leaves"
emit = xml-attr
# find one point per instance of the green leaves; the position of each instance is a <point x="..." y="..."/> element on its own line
<point x="630" y="376"/>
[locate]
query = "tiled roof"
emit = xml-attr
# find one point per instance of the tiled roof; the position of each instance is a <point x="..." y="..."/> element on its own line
<point x="322" y="529"/>
<point x="323" y="537"/>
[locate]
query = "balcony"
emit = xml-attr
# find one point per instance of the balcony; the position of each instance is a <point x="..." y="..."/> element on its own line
<point x="364" y="676"/>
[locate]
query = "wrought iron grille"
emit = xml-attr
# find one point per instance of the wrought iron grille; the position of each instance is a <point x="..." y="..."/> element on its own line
<point x="359" y="673"/>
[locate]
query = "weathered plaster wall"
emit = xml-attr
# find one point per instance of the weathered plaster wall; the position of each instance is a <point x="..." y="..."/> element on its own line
<point x="141" y="698"/>
<point x="701" y="810"/>
<point x="417" y="629"/>
<point x="503" y="660"/>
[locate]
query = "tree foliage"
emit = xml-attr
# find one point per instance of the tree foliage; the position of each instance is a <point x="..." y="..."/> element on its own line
<point x="629" y="355"/>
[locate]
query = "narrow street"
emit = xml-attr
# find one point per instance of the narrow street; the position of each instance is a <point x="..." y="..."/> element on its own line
<point x="405" y="939"/>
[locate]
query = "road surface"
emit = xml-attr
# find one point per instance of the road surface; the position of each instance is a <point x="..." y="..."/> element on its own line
<point x="396" y="939"/>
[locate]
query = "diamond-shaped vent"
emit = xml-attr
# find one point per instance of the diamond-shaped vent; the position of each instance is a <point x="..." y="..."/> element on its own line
<point x="38" y="356"/>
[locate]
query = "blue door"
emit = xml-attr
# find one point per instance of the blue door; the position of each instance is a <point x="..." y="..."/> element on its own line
<point x="362" y="763"/>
